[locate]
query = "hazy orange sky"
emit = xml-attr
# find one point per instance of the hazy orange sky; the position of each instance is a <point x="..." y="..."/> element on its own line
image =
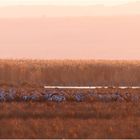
<point x="63" y="2"/>
<point x="72" y="30"/>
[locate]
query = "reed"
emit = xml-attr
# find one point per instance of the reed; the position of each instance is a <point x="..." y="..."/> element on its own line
<point x="70" y="72"/>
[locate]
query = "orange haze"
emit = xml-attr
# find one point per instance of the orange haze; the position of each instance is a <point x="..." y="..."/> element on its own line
<point x="81" y="37"/>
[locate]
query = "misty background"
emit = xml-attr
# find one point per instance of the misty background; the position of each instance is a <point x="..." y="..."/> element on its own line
<point x="72" y="32"/>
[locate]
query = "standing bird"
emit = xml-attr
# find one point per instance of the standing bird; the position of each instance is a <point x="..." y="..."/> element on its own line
<point x="2" y="96"/>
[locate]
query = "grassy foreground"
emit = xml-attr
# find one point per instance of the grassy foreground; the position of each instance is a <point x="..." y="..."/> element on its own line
<point x="69" y="120"/>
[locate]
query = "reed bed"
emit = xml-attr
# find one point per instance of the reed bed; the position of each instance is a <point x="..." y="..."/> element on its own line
<point x="69" y="120"/>
<point x="70" y="72"/>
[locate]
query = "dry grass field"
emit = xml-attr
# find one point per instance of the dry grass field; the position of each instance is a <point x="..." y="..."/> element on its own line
<point x="70" y="120"/>
<point x="70" y="72"/>
<point x="101" y="113"/>
<point x="89" y="118"/>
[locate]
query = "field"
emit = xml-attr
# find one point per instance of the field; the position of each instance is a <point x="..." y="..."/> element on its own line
<point x="69" y="120"/>
<point x="27" y="110"/>
<point x="70" y="72"/>
<point x="100" y="114"/>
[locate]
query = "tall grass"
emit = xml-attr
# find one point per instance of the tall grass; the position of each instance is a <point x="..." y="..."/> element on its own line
<point x="69" y="120"/>
<point x="70" y="72"/>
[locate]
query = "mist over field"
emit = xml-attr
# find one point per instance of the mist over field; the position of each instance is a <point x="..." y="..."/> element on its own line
<point x="73" y="38"/>
<point x="70" y="32"/>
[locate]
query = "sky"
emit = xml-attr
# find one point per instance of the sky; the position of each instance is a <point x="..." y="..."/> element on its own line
<point x="70" y="32"/>
<point x="63" y="2"/>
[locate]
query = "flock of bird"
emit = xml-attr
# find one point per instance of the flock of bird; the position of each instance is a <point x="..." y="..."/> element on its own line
<point x="11" y="95"/>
